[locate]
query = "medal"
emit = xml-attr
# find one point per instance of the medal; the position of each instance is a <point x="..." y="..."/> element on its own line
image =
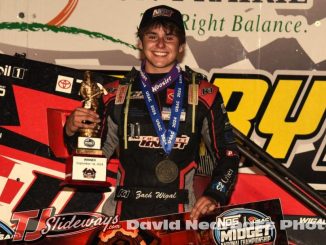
<point x="166" y="171"/>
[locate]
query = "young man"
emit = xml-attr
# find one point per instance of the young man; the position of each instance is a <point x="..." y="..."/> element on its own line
<point x="154" y="120"/>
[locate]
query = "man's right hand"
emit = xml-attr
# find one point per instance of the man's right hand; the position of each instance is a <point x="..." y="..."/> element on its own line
<point x="78" y="118"/>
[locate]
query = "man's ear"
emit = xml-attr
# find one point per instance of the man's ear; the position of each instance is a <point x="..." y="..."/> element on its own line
<point x="182" y="48"/>
<point x="140" y="44"/>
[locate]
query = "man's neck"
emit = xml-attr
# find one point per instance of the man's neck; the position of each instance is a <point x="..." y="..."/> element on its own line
<point x="154" y="77"/>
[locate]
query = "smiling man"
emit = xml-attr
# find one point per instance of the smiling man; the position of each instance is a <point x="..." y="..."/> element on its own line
<point x="154" y="120"/>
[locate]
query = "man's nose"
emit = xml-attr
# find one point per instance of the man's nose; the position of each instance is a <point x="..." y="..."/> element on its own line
<point x="160" y="42"/>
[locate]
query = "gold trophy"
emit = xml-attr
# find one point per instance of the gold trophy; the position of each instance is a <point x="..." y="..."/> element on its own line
<point x="87" y="166"/>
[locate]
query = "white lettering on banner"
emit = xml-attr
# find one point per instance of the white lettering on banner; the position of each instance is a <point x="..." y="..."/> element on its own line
<point x="18" y="72"/>
<point x="5" y="71"/>
<point x="15" y="72"/>
<point x="239" y="231"/>
<point x="2" y="91"/>
<point x="298" y="225"/>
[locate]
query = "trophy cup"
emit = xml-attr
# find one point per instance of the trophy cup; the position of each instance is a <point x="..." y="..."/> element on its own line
<point x="87" y="166"/>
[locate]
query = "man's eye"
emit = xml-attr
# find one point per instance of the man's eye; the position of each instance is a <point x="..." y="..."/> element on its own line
<point x="152" y="37"/>
<point x="170" y="38"/>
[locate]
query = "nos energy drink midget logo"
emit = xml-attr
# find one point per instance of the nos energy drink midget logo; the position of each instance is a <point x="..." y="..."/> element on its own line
<point x="5" y="232"/>
<point x="244" y="226"/>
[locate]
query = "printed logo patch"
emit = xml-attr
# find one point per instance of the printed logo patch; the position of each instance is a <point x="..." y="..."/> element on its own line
<point x="162" y="12"/>
<point x="166" y="114"/>
<point x="64" y="84"/>
<point x="169" y="96"/>
<point x="244" y="226"/>
<point x="206" y="91"/>
<point x="121" y="94"/>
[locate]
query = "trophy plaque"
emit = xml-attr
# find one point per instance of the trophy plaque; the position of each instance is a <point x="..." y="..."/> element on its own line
<point x="87" y="166"/>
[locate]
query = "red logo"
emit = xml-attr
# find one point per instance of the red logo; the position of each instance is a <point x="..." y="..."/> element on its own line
<point x="230" y="153"/>
<point x="64" y="84"/>
<point x="169" y="96"/>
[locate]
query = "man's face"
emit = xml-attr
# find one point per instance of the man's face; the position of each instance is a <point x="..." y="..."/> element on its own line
<point x="160" y="49"/>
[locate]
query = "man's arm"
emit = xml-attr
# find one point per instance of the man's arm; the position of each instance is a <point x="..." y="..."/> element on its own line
<point x="220" y="142"/>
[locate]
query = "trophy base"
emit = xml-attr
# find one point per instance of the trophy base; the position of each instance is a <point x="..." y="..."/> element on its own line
<point x="86" y="171"/>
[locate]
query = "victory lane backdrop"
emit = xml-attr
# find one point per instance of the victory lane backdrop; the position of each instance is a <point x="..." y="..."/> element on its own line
<point x="32" y="159"/>
<point x="232" y="41"/>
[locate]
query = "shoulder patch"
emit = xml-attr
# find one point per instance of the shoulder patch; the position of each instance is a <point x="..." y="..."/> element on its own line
<point x="207" y="92"/>
<point x="112" y="89"/>
<point x="121" y="94"/>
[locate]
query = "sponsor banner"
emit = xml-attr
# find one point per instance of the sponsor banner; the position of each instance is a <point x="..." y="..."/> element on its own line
<point x="254" y="223"/>
<point x="250" y="223"/>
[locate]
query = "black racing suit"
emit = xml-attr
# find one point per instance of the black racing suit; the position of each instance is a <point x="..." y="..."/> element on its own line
<point x="140" y="193"/>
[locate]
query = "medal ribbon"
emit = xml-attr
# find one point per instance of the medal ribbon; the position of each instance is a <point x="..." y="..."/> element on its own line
<point x="164" y="82"/>
<point x="167" y="137"/>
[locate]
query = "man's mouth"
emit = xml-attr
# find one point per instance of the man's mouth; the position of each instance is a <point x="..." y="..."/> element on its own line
<point x="157" y="53"/>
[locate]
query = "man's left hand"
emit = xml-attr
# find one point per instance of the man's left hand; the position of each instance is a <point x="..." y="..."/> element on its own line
<point x="203" y="206"/>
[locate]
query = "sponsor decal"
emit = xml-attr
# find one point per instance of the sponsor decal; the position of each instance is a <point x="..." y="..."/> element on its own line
<point x="162" y="12"/>
<point x="230" y="153"/>
<point x="2" y="91"/>
<point x="6" y="233"/>
<point x="89" y="142"/>
<point x="136" y="95"/>
<point x="219" y="186"/>
<point x="206" y="91"/>
<point x="134" y="129"/>
<point x="154" y="142"/>
<point x="51" y="225"/>
<point x="89" y="173"/>
<point x="166" y="114"/>
<point x="121" y="94"/>
<point x="227" y="176"/>
<point x="169" y="96"/>
<point x="243" y="226"/>
<point x="12" y="71"/>
<point x="64" y="84"/>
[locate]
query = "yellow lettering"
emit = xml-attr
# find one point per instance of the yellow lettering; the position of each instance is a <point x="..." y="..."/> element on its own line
<point x="253" y="92"/>
<point x="278" y="122"/>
